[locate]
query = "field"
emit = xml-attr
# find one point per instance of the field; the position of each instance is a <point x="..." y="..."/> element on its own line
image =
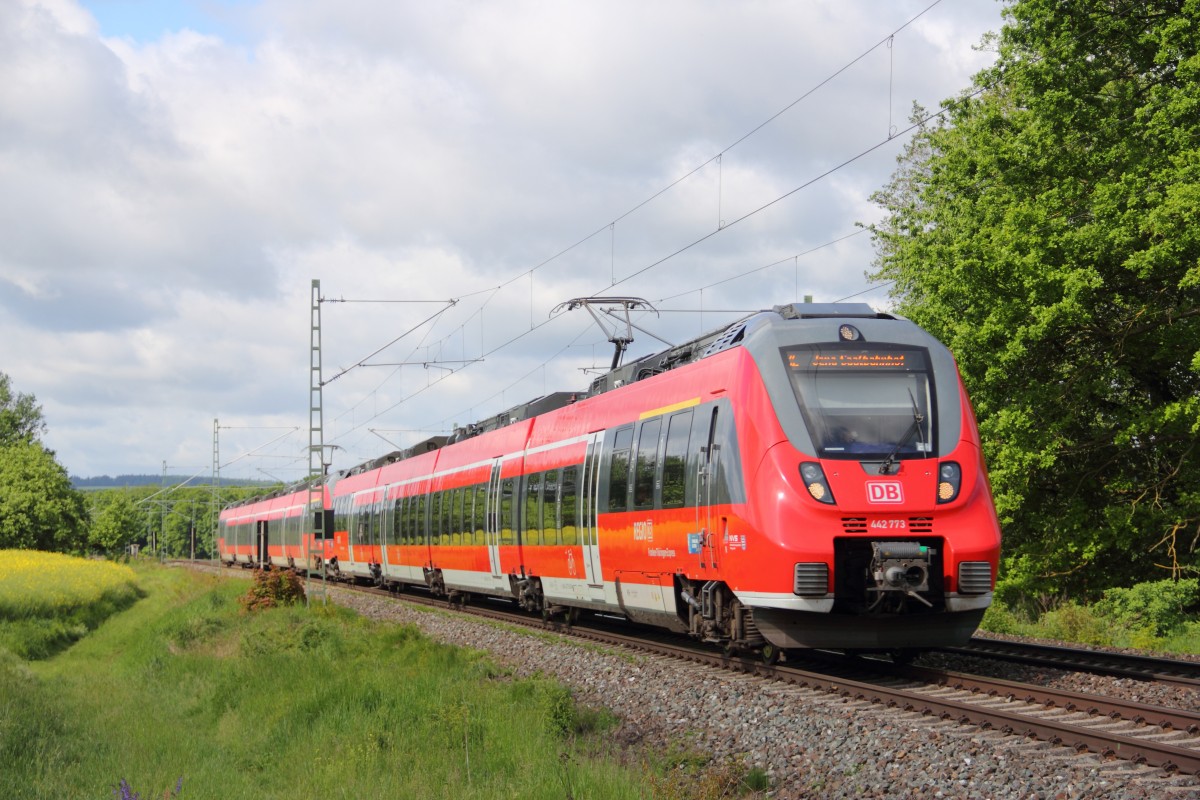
<point x="187" y="694"/>
<point x="50" y="600"/>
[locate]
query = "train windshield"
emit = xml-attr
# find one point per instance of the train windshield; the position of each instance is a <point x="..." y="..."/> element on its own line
<point x="864" y="402"/>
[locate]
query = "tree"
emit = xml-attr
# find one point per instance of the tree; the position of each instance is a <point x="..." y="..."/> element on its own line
<point x="39" y="510"/>
<point x="1046" y="228"/>
<point x="115" y="521"/>
<point x="20" y="416"/>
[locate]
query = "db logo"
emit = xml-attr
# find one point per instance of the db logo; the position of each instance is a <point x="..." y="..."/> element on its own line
<point x="884" y="492"/>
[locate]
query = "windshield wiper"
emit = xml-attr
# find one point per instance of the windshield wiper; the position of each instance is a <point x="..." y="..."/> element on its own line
<point x="914" y="428"/>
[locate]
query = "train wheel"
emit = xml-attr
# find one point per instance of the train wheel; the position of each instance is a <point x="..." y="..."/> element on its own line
<point x="770" y="654"/>
<point x="904" y="655"/>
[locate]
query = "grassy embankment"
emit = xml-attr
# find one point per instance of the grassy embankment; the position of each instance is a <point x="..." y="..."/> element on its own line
<point x="187" y="692"/>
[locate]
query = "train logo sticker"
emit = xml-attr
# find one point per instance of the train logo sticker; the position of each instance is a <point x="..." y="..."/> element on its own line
<point x="885" y="492"/>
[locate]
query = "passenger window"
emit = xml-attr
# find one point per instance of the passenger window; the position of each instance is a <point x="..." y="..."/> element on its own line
<point x="506" y="511"/>
<point x="480" y="511"/>
<point x="456" y="497"/>
<point x="419" y="530"/>
<point x="674" y="483"/>
<point x="549" y="517"/>
<point x="647" y="462"/>
<point x="569" y="505"/>
<point x="533" y="511"/>
<point x="618" y="473"/>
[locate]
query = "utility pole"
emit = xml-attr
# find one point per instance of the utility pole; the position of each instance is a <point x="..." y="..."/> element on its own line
<point x="216" y="489"/>
<point x="316" y="450"/>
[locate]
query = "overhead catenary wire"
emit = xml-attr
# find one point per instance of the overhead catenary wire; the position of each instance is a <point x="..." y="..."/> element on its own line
<point x="493" y="291"/>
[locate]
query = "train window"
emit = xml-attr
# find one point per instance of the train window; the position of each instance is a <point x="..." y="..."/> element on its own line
<point x="533" y="509"/>
<point x="864" y="401"/>
<point x="506" y="512"/>
<point x="397" y="521"/>
<point x="679" y="428"/>
<point x="420" y="530"/>
<point x="448" y="498"/>
<point x="480" y="512"/>
<point x="647" y="462"/>
<point x="463" y="510"/>
<point x="618" y="472"/>
<point x="408" y="533"/>
<point x="435" y="520"/>
<point x="569" y="505"/>
<point x="341" y="514"/>
<point x="550" y="522"/>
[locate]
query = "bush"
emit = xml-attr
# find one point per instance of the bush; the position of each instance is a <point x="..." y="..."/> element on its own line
<point x="272" y="588"/>
<point x="999" y="619"/>
<point x="1075" y="623"/>
<point x="1154" y="609"/>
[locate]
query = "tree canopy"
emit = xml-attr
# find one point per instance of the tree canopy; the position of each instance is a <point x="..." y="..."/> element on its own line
<point x="39" y="509"/>
<point x="1047" y="228"/>
<point x="20" y="415"/>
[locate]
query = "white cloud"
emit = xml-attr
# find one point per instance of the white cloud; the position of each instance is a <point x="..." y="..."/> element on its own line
<point x="166" y="203"/>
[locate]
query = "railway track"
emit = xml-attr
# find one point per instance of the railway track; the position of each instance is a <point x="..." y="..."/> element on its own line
<point x="1184" y="674"/>
<point x="1108" y="727"/>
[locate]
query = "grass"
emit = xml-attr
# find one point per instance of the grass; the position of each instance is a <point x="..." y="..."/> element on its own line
<point x="288" y="702"/>
<point x="49" y="601"/>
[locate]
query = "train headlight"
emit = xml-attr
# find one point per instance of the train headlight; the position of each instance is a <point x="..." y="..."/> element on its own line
<point x="814" y="481"/>
<point x="849" y="333"/>
<point x="949" y="481"/>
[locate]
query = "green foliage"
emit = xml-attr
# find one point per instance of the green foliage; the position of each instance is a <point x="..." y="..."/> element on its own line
<point x="330" y="705"/>
<point x="272" y="588"/>
<point x="1162" y="615"/>
<point x="115" y="522"/>
<point x="125" y="516"/>
<point x="1071" y="622"/>
<point x="21" y="418"/>
<point x="1157" y="608"/>
<point x="1046" y="229"/>
<point x="38" y="508"/>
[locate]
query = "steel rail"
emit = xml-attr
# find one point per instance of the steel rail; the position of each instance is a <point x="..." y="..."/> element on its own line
<point x="1118" y="665"/>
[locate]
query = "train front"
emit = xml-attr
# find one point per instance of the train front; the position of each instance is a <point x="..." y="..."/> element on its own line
<point x="877" y="496"/>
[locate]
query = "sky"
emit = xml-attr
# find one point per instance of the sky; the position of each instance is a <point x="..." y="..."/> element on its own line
<point x="174" y="175"/>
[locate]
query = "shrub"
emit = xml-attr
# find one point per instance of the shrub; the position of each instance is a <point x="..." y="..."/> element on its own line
<point x="272" y="588"/>
<point x="1153" y="609"/>
<point x="1075" y="623"/>
<point x="999" y="619"/>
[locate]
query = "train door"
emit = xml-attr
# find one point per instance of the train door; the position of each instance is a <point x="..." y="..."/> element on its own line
<point x="589" y="521"/>
<point x="387" y="525"/>
<point x="704" y="544"/>
<point x="495" y="521"/>
<point x="374" y="518"/>
<point x="262" y="542"/>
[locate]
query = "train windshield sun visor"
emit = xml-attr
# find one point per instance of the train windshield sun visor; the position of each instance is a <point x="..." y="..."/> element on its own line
<point x="865" y="402"/>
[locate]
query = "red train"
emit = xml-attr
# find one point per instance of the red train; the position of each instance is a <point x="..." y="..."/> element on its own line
<point x="810" y="476"/>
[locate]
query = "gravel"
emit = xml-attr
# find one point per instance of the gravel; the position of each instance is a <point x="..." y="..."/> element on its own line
<point x="812" y="744"/>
